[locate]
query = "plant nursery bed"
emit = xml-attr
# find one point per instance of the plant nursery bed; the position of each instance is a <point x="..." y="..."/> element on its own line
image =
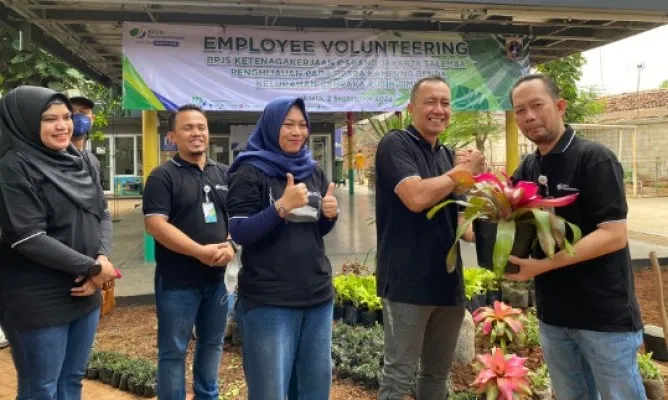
<point x="133" y="331"/>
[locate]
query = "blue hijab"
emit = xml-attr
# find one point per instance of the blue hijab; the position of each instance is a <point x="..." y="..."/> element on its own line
<point x="263" y="150"/>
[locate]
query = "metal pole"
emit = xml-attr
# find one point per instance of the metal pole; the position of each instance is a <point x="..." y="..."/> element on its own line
<point x="634" y="162"/>
<point x="351" y="167"/>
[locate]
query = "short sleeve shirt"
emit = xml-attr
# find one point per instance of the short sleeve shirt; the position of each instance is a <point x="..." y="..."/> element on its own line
<point x="597" y="294"/>
<point x="411" y="248"/>
<point x="179" y="191"/>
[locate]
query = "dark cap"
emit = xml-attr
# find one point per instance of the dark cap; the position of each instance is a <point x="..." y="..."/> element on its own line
<point x="82" y="100"/>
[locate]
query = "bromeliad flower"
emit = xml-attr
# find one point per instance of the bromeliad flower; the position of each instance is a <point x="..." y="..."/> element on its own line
<point x="499" y="201"/>
<point x="500" y="322"/>
<point x="502" y="377"/>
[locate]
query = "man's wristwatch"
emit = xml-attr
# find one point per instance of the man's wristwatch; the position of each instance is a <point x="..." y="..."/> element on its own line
<point x="95" y="270"/>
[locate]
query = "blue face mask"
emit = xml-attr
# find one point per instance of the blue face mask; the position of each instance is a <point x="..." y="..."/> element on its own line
<point x="82" y="125"/>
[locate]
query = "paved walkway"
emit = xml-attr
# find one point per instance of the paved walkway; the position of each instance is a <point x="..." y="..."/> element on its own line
<point x="92" y="390"/>
<point x="354" y="237"/>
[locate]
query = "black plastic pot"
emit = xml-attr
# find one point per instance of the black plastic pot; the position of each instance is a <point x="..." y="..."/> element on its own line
<point x="366" y="317"/>
<point x="655" y="342"/>
<point x="469" y="305"/>
<point x="106" y="375"/>
<point x="379" y="316"/>
<point x="485" y="237"/>
<point x="123" y="385"/>
<point x="480" y="300"/>
<point x="653" y="389"/>
<point x="116" y="379"/>
<point x="131" y="384"/>
<point x="92" y="373"/>
<point x="338" y="312"/>
<point x="350" y="314"/>
<point x="492" y="296"/>
<point x="149" y="390"/>
<point x="139" y="388"/>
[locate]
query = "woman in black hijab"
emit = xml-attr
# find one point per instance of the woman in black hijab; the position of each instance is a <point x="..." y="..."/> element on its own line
<point x="56" y="235"/>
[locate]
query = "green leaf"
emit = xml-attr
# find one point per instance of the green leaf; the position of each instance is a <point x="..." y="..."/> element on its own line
<point x="577" y="233"/>
<point x="73" y="73"/>
<point x="505" y="237"/>
<point x="558" y="229"/>
<point x="451" y="259"/>
<point x="492" y="392"/>
<point x="543" y="228"/>
<point x="432" y="211"/>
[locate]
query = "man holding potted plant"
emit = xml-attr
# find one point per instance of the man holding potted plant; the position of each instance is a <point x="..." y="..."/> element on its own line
<point x="590" y="325"/>
<point x="423" y="304"/>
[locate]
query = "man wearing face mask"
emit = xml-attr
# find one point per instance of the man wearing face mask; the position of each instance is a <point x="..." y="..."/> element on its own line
<point x="83" y="118"/>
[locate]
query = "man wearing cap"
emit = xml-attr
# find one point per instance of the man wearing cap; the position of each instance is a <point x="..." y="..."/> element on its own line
<point x="83" y="118"/>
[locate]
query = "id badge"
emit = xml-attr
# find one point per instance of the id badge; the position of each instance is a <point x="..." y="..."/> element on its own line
<point x="209" y="210"/>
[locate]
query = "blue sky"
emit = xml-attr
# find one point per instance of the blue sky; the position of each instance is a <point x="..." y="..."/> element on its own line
<point x="619" y="73"/>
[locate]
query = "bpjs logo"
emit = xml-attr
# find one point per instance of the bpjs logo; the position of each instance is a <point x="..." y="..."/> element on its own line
<point x="140" y="33"/>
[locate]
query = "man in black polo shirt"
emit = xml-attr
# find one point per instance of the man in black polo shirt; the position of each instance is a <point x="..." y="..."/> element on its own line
<point x="184" y="210"/>
<point x="423" y="304"/>
<point x="590" y="323"/>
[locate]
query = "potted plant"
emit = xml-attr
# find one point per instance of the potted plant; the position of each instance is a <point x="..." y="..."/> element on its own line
<point x="94" y="366"/>
<point x="501" y="376"/>
<point x="339" y="297"/>
<point x="541" y="384"/>
<point x="515" y="293"/>
<point x="345" y="291"/>
<point x="473" y="288"/>
<point x="651" y="377"/>
<point x="492" y="285"/>
<point x="369" y="302"/>
<point x="501" y="323"/>
<point x="507" y="218"/>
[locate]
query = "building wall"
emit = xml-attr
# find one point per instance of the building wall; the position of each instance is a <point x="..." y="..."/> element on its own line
<point x="651" y="145"/>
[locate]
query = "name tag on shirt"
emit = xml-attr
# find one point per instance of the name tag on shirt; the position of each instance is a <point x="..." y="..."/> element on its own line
<point x="209" y="210"/>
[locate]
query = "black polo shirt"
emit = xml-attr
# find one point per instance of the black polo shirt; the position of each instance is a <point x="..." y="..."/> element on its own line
<point x="411" y="248"/>
<point x="176" y="189"/>
<point x="597" y="294"/>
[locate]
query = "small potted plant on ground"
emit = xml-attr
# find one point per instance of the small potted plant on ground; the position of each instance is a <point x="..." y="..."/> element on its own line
<point x="541" y="384"/>
<point x="473" y="288"/>
<point x="492" y="284"/>
<point x="339" y="297"/>
<point x="501" y="376"/>
<point x="369" y="302"/>
<point x="515" y="293"/>
<point x="501" y="323"/>
<point x="508" y="217"/>
<point x="651" y="377"/>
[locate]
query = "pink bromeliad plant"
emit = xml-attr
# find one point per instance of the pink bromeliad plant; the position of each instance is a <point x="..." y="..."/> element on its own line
<point x="501" y="376"/>
<point x="500" y="201"/>
<point x="500" y="322"/>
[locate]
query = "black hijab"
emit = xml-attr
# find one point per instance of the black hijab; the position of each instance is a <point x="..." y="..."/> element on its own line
<point x="20" y="121"/>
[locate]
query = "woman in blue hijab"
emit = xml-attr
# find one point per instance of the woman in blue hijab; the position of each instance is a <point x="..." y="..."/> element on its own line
<point x="281" y="205"/>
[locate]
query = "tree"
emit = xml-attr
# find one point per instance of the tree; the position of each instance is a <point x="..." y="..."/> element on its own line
<point x="466" y="127"/>
<point x="32" y="66"/>
<point x="36" y="67"/>
<point x="566" y="72"/>
<point x="664" y="84"/>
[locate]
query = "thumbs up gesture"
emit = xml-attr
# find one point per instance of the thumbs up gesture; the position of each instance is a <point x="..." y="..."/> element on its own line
<point x="329" y="203"/>
<point x="294" y="196"/>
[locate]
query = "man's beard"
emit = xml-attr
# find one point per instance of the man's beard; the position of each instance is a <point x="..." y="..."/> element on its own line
<point x="197" y="153"/>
